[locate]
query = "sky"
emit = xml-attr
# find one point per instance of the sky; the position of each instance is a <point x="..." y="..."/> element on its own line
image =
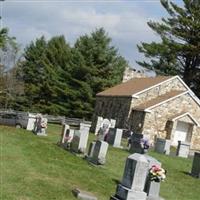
<point x="125" y="21"/>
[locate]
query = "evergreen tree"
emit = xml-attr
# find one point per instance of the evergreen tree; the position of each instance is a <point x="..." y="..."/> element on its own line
<point x="104" y="66"/>
<point x="179" y="49"/>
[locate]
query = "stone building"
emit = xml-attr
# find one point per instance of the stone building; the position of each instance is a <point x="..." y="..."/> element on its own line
<point x="130" y="73"/>
<point x="156" y="106"/>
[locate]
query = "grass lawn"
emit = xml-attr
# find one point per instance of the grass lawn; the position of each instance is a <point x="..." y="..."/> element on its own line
<point x="36" y="168"/>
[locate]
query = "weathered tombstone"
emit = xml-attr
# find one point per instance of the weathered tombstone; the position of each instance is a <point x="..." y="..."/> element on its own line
<point x="98" y="124"/>
<point x="136" y="146"/>
<point x="103" y="131"/>
<point x="79" y="141"/>
<point x="134" y="178"/>
<point x="196" y="165"/>
<point x="65" y="127"/>
<point x="91" y="149"/>
<point x="162" y="146"/>
<point x="31" y="122"/>
<point x="99" y="153"/>
<point x="66" y="136"/>
<point x="40" y="125"/>
<point x="152" y="188"/>
<point x="183" y="149"/>
<point x="112" y="123"/>
<point x="114" y="137"/>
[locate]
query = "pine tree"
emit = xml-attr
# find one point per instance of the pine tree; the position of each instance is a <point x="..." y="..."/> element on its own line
<point x="104" y="66"/>
<point x="179" y="49"/>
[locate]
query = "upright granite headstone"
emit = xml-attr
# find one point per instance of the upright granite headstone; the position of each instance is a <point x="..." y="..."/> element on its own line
<point x="91" y="149"/>
<point x="183" y="149"/>
<point x="136" y="146"/>
<point x="98" y="124"/>
<point x="134" y="179"/>
<point x="152" y="188"/>
<point x="79" y="141"/>
<point x="99" y="153"/>
<point x="196" y="165"/>
<point x="114" y="137"/>
<point x="163" y="146"/>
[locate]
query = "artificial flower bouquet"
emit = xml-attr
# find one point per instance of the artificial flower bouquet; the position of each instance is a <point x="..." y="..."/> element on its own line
<point x="157" y="174"/>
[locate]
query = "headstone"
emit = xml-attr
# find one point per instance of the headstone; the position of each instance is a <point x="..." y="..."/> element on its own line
<point x="99" y="153"/>
<point x="162" y="146"/>
<point x="114" y="137"/>
<point x="66" y="136"/>
<point x="80" y="194"/>
<point x="112" y="123"/>
<point x="40" y="125"/>
<point x="183" y="149"/>
<point x="65" y="127"/>
<point x="136" y="146"/>
<point x="134" y="178"/>
<point x="79" y="141"/>
<point x="31" y="122"/>
<point x="152" y="188"/>
<point x="196" y="165"/>
<point x="98" y="124"/>
<point x="91" y="149"/>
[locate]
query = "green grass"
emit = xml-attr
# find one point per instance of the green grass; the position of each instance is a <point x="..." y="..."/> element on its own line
<point x="36" y="168"/>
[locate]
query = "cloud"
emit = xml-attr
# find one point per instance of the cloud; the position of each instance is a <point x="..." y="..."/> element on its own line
<point x="125" y="22"/>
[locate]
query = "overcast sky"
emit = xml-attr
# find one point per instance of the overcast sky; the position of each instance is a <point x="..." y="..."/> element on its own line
<point x="125" y="21"/>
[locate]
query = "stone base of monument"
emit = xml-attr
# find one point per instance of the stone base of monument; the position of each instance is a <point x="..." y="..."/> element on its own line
<point x="41" y="134"/>
<point x="154" y="198"/>
<point x="80" y="194"/>
<point x="123" y="192"/>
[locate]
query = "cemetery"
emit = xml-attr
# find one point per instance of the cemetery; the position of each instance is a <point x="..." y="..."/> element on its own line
<point x="84" y="116"/>
<point x="39" y="168"/>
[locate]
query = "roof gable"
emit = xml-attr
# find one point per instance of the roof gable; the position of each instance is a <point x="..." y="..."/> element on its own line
<point x="134" y="86"/>
<point x="159" y="100"/>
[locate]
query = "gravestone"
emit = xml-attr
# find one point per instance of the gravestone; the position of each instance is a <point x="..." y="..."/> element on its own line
<point x="99" y="153"/>
<point x="40" y="125"/>
<point x="79" y="141"/>
<point x="103" y="131"/>
<point x="134" y="178"/>
<point x="183" y="149"/>
<point x="162" y="146"/>
<point x="112" y="123"/>
<point x="98" y="124"/>
<point x="136" y="146"/>
<point x="196" y="165"/>
<point x="114" y="137"/>
<point x="91" y="149"/>
<point x="66" y="136"/>
<point x="31" y="122"/>
<point x="152" y="188"/>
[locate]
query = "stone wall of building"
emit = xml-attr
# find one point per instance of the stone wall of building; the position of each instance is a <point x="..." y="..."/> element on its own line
<point x="130" y="73"/>
<point x="136" y="121"/>
<point x="168" y="86"/>
<point x="112" y="107"/>
<point x="155" y="123"/>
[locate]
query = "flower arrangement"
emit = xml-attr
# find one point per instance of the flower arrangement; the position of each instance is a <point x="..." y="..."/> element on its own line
<point x="144" y="143"/>
<point x="157" y="174"/>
